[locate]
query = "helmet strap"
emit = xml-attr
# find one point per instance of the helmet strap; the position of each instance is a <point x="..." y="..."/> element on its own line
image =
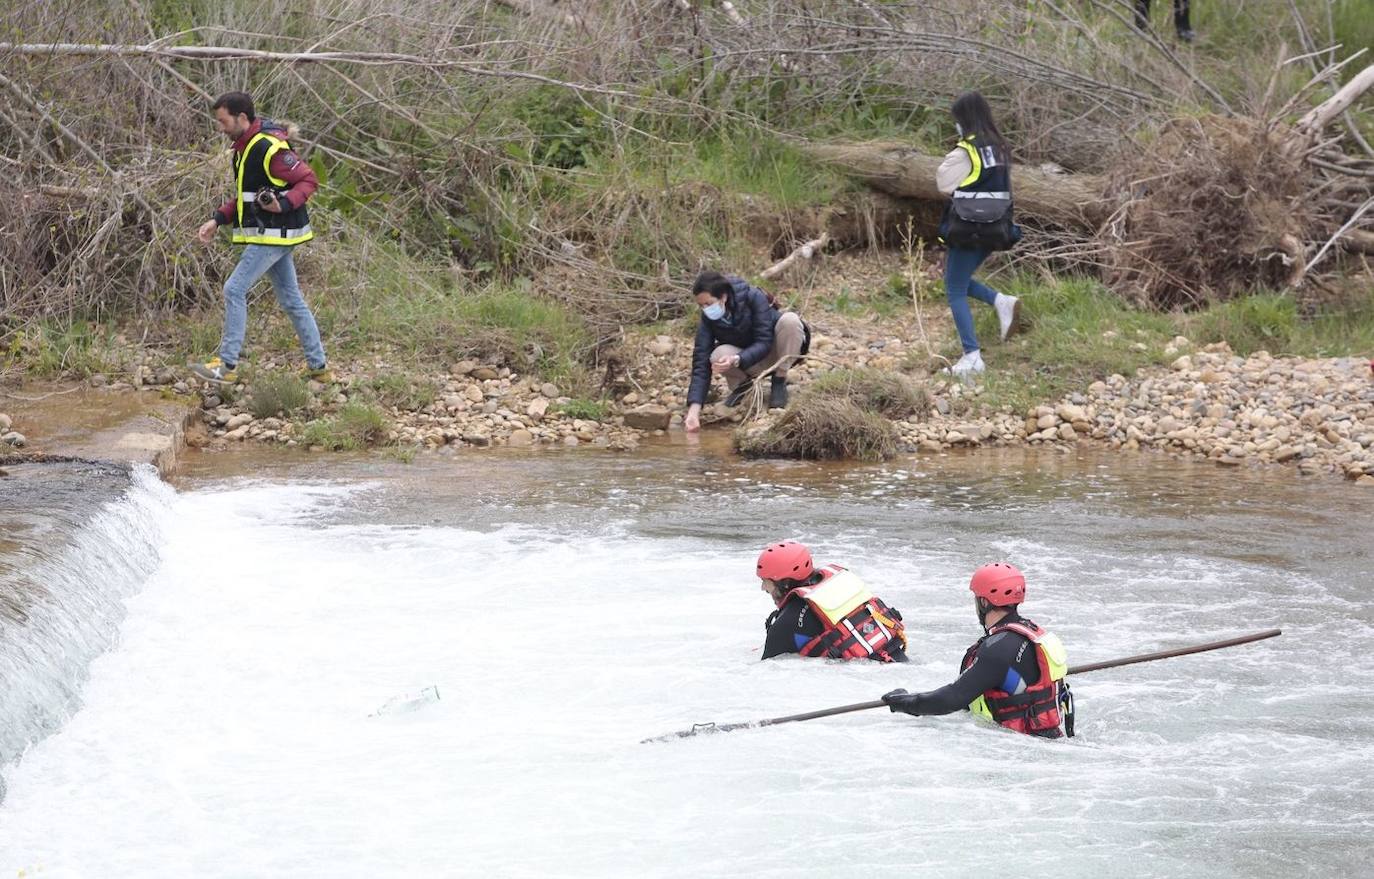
<point x="986" y="607"/>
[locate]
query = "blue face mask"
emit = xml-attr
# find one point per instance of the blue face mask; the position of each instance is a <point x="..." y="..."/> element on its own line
<point x="714" y="311"/>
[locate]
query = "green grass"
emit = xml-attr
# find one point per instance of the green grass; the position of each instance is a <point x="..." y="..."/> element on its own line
<point x="1078" y="332"/>
<point x="1270" y="322"/>
<point x="77" y="348"/>
<point x="278" y="393"/>
<point x="354" y="426"/>
<point x="417" y="312"/>
<point x="587" y="410"/>
<point x="396" y="389"/>
<point x="528" y="332"/>
<point x="761" y="165"/>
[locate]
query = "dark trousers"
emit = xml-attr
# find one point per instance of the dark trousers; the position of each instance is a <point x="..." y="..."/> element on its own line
<point x="1142" y="15"/>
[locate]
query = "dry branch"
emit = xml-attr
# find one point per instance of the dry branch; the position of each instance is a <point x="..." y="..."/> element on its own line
<point x="1312" y="124"/>
<point x="262" y="56"/>
<point x="805" y="251"/>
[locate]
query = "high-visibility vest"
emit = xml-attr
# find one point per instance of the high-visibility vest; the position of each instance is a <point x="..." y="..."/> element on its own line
<point x="252" y="173"/>
<point x="980" y="210"/>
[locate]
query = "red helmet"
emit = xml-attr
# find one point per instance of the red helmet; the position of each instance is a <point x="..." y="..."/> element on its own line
<point x="999" y="584"/>
<point x="788" y="560"/>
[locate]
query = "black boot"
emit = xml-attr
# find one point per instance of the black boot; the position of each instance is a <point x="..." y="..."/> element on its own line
<point x="737" y="394"/>
<point x="777" y="393"/>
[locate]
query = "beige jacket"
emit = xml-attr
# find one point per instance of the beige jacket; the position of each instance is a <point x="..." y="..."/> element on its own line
<point x="953" y="169"/>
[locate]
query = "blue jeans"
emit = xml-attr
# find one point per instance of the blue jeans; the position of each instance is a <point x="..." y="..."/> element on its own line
<point x="960" y="264"/>
<point x="275" y="261"/>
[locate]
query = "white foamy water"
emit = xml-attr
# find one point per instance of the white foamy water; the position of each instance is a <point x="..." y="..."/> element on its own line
<point x="228" y="732"/>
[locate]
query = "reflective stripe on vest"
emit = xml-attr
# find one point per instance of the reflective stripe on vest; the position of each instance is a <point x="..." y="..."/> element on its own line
<point x="269" y="235"/>
<point x="264" y="234"/>
<point x="975" y="163"/>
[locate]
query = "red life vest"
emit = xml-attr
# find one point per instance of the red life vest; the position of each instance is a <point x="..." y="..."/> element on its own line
<point x="1036" y="710"/>
<point x="858" y="624"/>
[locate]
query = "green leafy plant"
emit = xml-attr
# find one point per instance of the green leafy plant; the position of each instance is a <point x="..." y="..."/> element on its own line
<point x="587" y="410"/>
<point x="354" y="426"/>
<point x="277" y="393"/>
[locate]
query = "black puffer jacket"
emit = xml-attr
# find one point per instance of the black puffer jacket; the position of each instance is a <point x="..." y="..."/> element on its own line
<point x="747" y="324"/>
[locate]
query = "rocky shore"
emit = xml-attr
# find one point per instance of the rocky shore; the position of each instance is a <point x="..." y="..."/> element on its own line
<point x="9" y="437"/>
<point x="1315" y="415"/>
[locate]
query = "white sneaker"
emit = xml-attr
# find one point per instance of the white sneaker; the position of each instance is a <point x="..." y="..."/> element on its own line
<point x="968" y="365"/>
<point x="1008" y="313"/>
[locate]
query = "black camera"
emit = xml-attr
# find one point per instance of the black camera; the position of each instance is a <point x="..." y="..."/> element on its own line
<point x="266" y="196"/>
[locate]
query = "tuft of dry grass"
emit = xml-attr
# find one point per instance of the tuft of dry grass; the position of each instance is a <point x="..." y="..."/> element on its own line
<point x="888" y="393"/>
<point x="819" y="428"/>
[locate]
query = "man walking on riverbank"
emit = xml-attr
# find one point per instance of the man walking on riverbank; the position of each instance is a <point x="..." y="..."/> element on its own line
<point x="826" y="612"/>
<point x="267" y="214"/>
<point x="1013" y="676"/>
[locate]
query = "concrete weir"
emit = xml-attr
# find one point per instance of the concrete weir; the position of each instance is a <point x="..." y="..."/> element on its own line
<point x="118" y="427"/>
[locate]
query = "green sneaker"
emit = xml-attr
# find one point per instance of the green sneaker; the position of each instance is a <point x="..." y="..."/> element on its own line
<point x="214" y="370"/>
<point x="324" y="375"/>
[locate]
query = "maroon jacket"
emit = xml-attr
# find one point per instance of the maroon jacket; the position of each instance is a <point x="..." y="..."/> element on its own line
<point x="286" y="165"/>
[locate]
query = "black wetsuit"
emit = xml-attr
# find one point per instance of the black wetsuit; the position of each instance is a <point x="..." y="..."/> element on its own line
<point x="793" y="626"/>
<point x="1004" y="662"/>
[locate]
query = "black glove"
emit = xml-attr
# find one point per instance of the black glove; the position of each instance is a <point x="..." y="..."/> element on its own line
<point x="901" y="700"/>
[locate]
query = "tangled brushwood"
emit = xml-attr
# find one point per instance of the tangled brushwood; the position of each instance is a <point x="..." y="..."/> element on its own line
<point x="603" y="152"/>
<point x="1213" y="208"/>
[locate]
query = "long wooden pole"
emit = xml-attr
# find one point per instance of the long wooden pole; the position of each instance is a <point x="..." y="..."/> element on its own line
<point x="698" y="729"/>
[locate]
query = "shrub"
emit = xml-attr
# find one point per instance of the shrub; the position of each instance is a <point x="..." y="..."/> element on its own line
<point x="399" y="390"/>
<point x="278" y="393"/>
<point x="587" y="410"/>
<point x="355" y="426"/>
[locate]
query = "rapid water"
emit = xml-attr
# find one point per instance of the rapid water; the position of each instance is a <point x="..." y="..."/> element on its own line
<point x="76" y="539"/>
<point x="568" y="606"/>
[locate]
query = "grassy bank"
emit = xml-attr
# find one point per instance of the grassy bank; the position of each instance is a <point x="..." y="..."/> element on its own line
<point x="524" y="218"/>
<point x="1078" y="332"/>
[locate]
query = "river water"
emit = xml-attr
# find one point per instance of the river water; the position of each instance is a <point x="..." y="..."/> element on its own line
<point x="568" y="605"/>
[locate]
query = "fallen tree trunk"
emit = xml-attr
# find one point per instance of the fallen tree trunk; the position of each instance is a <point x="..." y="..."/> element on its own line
<point x="1215" y="207"/>
<point x="1071" y="201"/>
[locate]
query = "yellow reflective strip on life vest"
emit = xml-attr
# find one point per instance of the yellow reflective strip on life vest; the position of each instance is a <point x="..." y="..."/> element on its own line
<point x="838" y="596"/>
<point x="979" y="707"/>
<point x="975" y="160"/>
